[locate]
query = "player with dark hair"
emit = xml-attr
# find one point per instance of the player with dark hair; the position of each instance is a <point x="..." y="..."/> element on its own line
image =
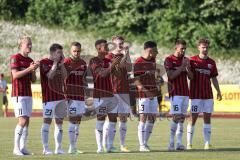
<point x="144" y="69"/>
<point x="204" y="70"/>
<point x="103" y="97"/>
<point x="23" y="74"/>
<point x="75" y="84"/>
<point x="52" y="74"/>
<point x="178" y="70"/>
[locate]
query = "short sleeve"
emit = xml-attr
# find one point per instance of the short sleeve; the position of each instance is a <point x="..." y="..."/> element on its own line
<point x="14" y="64"/>
<point x="168" y="64"/>
<point x="44" y="68"/>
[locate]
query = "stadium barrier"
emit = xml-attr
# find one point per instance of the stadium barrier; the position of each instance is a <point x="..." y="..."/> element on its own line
<point x="229" y="104"/>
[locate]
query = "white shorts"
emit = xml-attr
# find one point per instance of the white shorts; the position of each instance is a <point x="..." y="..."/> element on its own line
<point x="202" y="105"/>
<point x="147" y="105"/>
<point x="123" y="105"/>
<point x="49" y="109"/>
<point x="179" y="104"/>
<point x="76" y="108"/>
<point x="22" y="106"/>
<point x="105" y="105"/>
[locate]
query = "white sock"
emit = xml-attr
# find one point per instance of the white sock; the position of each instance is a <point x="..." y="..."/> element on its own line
<point x="76" y="134"/>
<point x="71" y="136"/>
<point x="141" y="130"/>
<point x="148" y="131"/>
<point x="111" y="134"/>
<point x="99" y="133"/>
<point x="173" y="129"/>
<point x="207" y="133"/>
<point x="122" y="132"/>
<point x="58" y="133"/>
<point x="190" y="132"/>
<point x="105" y="135"/>
<point x="23" y="139"/>
<point x="179" y="132"/>
<point x="17" y="137"/>
<point x="45" y="135"/>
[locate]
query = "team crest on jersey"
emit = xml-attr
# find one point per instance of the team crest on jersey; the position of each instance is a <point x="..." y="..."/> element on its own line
<point x="209" y="66"/>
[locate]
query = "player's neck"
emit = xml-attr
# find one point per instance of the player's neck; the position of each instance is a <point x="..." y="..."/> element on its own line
<point x="177" y="55"/>
<point x="24" y="54"/>
<point x="146" y="56"/>
<point x="101" y="56"/>
<point x="202" y="56"/>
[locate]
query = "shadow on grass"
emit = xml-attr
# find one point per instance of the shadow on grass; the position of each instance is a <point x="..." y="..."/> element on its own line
<point x="185" y="151"/>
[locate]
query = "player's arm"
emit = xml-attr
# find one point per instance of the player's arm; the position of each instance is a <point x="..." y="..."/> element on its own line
<point x="216" y="86"/>
<point x="172" y="73"/>
<point x="103" y="72"/>
<point x="33" y="76"/>
<point x="126" y="61"/>
<point x="19" y="74"/>
<point x="52" y="71"/>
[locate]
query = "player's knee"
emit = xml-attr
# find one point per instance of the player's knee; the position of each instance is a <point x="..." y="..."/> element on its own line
<point x="23" y="121"/>
<point x="182" y="118"/>
<point x="143" y="118"/>
<point x="178" y="118"/>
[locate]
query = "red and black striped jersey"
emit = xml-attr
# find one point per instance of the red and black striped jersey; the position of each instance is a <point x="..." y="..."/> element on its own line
<point x="144" y="71"/>
<point x="52" y="89"/>
<point x="75" y="83"/>
<point x="203" y="70"/>
<point x="179" y="85"/>
<point x="119" y="77"/>
<point x="21" y="86"/>
<point x="102" y="84"/>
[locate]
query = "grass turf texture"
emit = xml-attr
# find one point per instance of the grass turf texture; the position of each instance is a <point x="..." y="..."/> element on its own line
<point x="225" y="139"/>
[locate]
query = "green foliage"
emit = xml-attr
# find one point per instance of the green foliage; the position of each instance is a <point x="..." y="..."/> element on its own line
<point x="161" y="20"/>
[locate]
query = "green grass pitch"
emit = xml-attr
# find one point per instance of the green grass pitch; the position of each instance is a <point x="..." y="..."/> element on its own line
<point x="225" y="139"/>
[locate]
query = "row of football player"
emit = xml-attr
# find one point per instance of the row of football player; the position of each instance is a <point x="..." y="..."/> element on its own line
<point x="111" y="85"/>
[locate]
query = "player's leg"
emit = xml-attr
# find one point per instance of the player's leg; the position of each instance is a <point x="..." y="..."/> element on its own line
<point x="112" y="109"/>
<point x="47" y="120"/>
<point x="58" y="131"/>
<point x="20" y="111"/>
<point x="151" y="117"/>
<point x="105" y="135"/>
<point x="143" y="109"/>
<point x="123" y="113"/>
<point x="76" y="109"/>
<point x="99" y="131"/>
<point x="175" y="112"/>
<point x="27" y="101"/>
<point x="196" y="107"/>
<point x="207" y="112"/>
<point x="183" y="105"/>
<point x="111" y="131"/>
<point x="101" y="116"/>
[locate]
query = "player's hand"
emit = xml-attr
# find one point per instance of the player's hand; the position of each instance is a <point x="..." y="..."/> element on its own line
<point x="32" y="67"/>
<point x="219" y="96"/>
<point x="116" y="61"/>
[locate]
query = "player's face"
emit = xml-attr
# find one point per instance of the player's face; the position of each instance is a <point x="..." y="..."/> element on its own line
<point x="58" y="55"/>
<point x="119" y="44"/>
<point x="75" y="51"/>
<point x="26" y="46"/>
<point x="180" y="49"/>
<point x="203" y="49"/>
<point x="103" y="48"/>
<point x="153" y="52"/>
